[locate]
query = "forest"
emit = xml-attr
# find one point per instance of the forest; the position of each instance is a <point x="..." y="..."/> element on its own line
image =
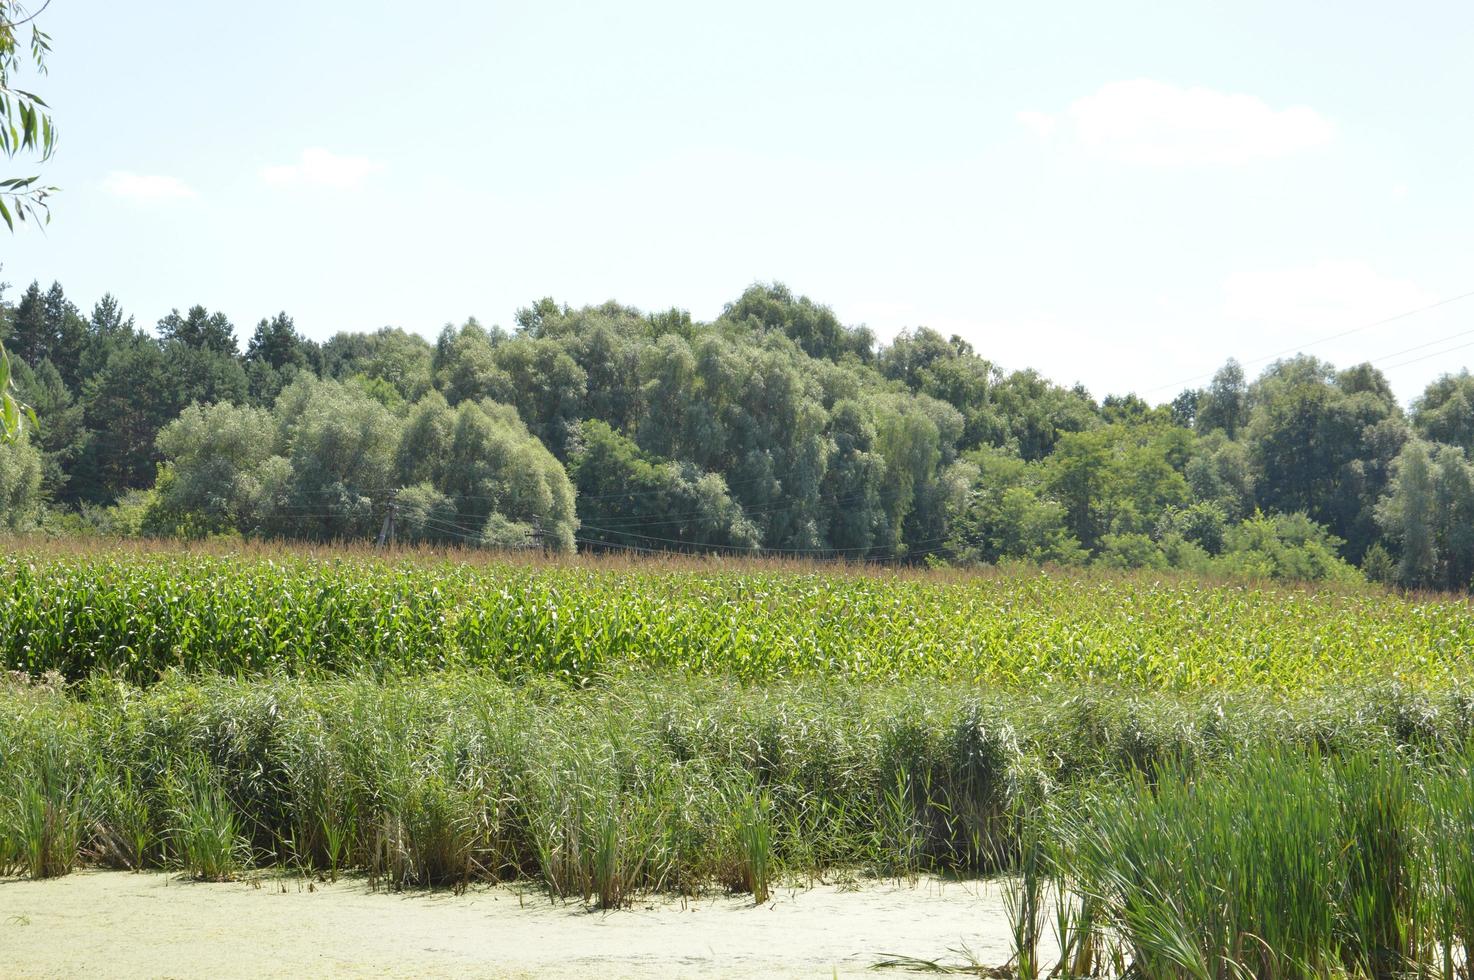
<point x="774" y="430"/>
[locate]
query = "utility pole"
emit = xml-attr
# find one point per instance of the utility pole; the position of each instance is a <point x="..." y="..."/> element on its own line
<point x="386" y="533"/>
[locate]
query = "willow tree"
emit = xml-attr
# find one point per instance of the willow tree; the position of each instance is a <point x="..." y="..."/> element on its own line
<point x="25" y="128"/>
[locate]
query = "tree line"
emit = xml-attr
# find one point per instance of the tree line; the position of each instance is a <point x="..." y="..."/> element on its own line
<point x="773" y="429"/>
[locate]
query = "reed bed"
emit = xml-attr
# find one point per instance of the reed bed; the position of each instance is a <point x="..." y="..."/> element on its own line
<point x="647" y="783"/>
<point x="1281" y="864"/>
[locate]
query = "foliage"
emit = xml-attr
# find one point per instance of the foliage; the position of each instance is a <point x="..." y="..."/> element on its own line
<point x="1224" y="406"/>
<point x="1445" y="411"/>
<point x="1428" y="515"/>
<point x="1284" y="547"/>
<point x="1116" y="478"/>
<point x="774" y="430"/>
<point x="1318" y="446"/>
<point x="25" y="120"/>
<point x="20" y="484"/>
<point x="624" y="495"/>
<point x="25" y="126"/>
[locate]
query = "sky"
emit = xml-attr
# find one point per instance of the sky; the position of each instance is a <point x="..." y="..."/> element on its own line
<point x="1122" y="195"/>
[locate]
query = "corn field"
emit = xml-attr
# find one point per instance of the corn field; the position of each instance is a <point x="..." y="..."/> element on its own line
<point x="136" y="615"/>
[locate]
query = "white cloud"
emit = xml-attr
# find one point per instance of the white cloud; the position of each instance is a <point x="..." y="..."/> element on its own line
<point x="1040" y="123"/>
<point x="320" y="168"/>
<point x="1324" y="297"/>
<point x="146" y="187"/>
<point x="1158" y="124"/>
<point x="1399" y="191"/>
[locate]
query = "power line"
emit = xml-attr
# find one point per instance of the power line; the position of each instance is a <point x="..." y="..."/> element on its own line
<point x="645" y="493"/>
<point x="452" y="528"/>
<point x="1323" y="340"/>
<point x="1409" y="350"/>
<point x="772" y="552"/>
<point x="466" y="533"/>
<point x="769" y="509"/>
<point x="1437" y="353"/>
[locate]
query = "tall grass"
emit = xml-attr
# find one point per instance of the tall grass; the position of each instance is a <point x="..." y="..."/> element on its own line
<point x="204" y="830"/>
<point x="43" y="786"/>
<point x="1450" y="869"/>
<point x="1214" y="875"/>
<point x="1275" y="864"/>
<point x="684" y="784"/>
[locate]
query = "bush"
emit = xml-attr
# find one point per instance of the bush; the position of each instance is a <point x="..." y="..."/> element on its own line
<point x="1284" y="547"/>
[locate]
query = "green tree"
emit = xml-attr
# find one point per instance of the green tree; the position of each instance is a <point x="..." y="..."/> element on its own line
<point x="1454" y="516"/>
<point x="1453" y="508"/>
<point x="1318" y="447"/>
<point x="60" y="432"/>
<point x="813" y="327"/>
<point x="403" y="360"/>
<point x="1428" y="516"/>
<point x="1008" y="519"/>
<point x="951" y="371"/>
<point x="124" y="405"/>
<point x="608" y="343"/>
<point x="1184" y="407"/>
<point x="47" y="327"/>
<point x="1221" y="473"/>
<point x="277" y="343"/>
<point x="1445" y="411"/>
<point x="20" y="483"/>
<point x="423" y="454"/>
<point x="219" y="471"/>
<point x="203" y="374"/>
<point x="1132" y="409"/>
<point x="850" y="493"/>
<point x="548" y="388"/>
<point x="1131" y="550"/>
<point x="341" y="444"/>
<point x="425" y="515"/>
<point x="1224" y="405"/>
<point x="507" y="487"/>
<point x="1203" y="524"/>
<point x="108" y="329"/>
<point x="1118" y="479"/>
<point x="911" y="444"/>
<point x="275" y="355"/>
<point x="1037" y="413"/>
<point x="628" y="498"/>
<point x="200" y="329"/>
<point x="465" y="366"/>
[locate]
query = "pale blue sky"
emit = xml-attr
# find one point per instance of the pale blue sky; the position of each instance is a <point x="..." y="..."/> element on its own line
<point x="1122" y="194"/>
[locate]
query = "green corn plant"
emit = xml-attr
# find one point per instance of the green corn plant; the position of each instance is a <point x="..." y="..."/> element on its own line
<point x="140" y="613"/>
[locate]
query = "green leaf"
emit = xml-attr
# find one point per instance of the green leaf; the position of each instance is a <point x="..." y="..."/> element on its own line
<point x="9" y="418"/>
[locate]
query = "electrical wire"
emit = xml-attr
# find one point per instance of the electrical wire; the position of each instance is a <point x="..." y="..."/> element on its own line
<point x="1437" y="353"/>
<point x="1323" y="340"/>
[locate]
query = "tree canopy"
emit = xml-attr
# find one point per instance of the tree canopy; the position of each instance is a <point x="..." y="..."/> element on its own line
<point x="772" y="430"/>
